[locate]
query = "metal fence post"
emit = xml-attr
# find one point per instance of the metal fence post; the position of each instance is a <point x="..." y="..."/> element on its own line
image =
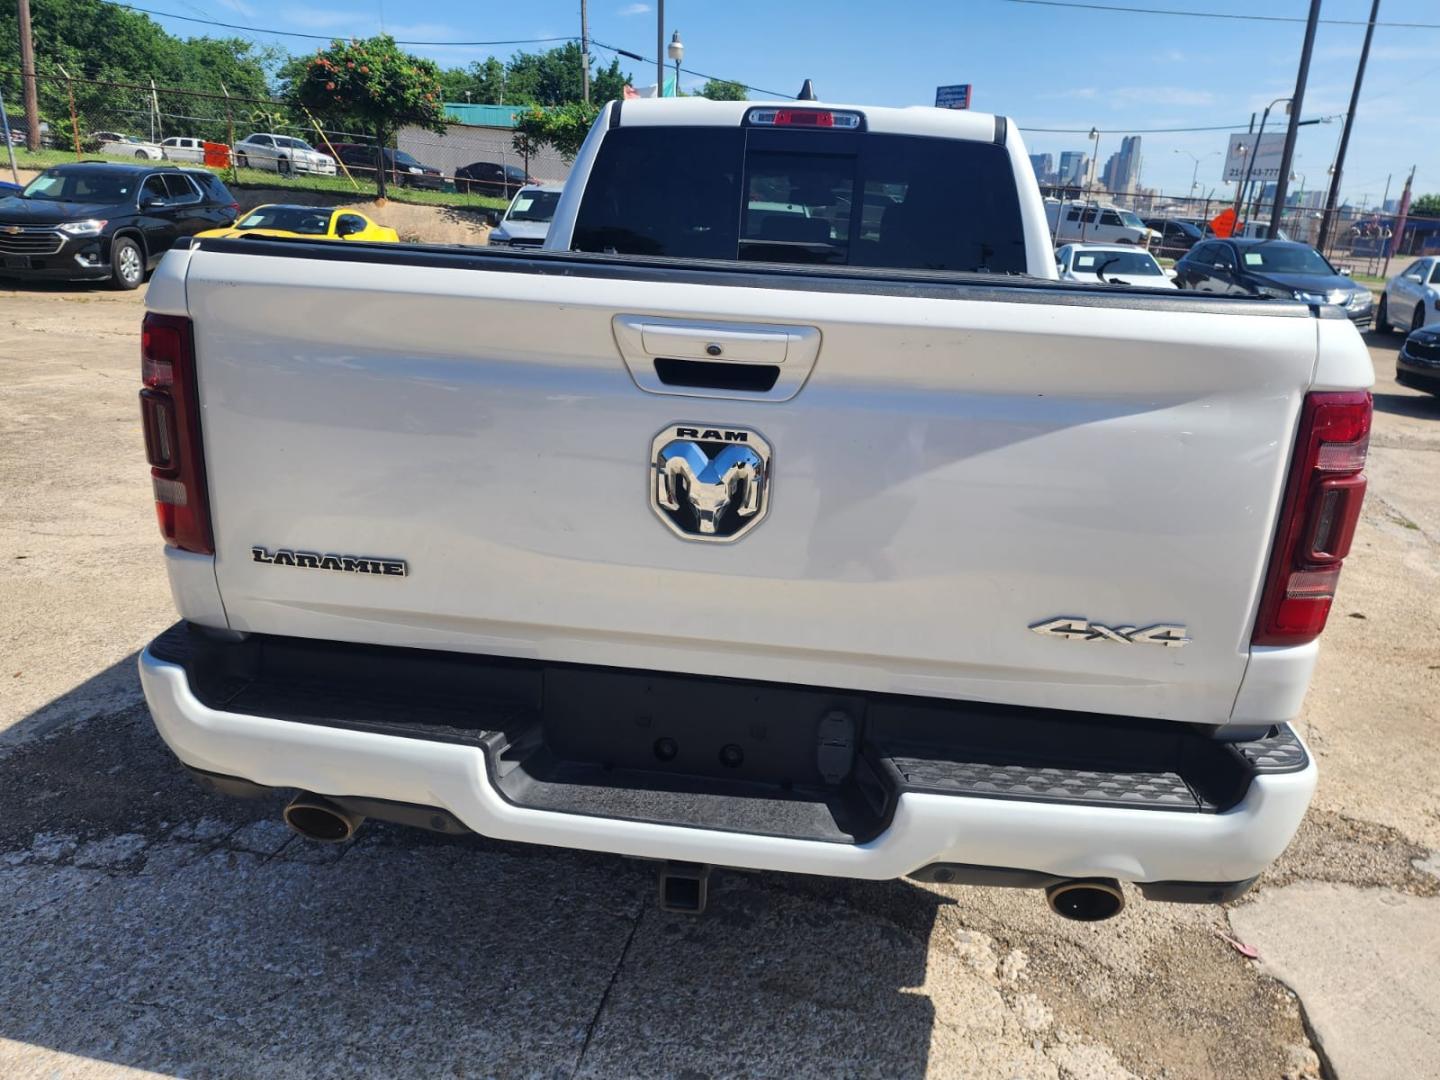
<point x="230" y="128"/>
<point x="9" y="144"/>
<point x="74" y="120"/>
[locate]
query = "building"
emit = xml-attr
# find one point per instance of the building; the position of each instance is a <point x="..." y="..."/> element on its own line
<point x="1044" y="166"/>
<point x="1122" y="169"/>
<point x="479" y="133"/>
<point x="1074" y="167"/>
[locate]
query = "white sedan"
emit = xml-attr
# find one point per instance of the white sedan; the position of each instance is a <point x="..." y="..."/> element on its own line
<point x="1412" y="297"/>
<point x="117" y="144"/>
<point x="1110" y="264"/>
<point x="285" y="154"/>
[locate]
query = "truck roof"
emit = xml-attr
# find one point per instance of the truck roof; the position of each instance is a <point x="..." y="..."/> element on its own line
<point x="911" y="120"/>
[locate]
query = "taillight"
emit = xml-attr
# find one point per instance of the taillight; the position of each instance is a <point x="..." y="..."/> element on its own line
<point x="804" y="118"/>
<point x="1317" y="518"/>
<point x="170" y="416"/>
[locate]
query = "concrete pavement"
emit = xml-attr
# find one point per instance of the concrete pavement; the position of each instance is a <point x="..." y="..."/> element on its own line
<point x="148" y="928"/>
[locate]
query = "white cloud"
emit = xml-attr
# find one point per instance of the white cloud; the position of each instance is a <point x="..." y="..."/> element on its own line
<point x="320" y="18"/>
<point x="633" y="9"/>
<point x="1083" y="92"/>
<point x="239" y="7"/>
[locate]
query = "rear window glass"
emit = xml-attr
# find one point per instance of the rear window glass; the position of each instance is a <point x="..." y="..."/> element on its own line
<point x="896" y="201"/>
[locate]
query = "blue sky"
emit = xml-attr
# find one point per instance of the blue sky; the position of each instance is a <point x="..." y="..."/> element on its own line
<point x="1047" y="67"/>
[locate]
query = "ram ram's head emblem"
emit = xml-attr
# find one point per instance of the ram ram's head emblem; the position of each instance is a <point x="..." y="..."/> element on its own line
<point x="709" y="483"/>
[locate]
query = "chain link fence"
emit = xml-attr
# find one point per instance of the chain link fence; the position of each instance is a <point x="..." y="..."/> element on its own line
<point x="1360" y="238"/>
<point x="88" y="118"/>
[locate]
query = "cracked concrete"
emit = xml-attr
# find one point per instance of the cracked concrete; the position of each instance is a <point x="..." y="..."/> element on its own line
<point x="150" y="928"/>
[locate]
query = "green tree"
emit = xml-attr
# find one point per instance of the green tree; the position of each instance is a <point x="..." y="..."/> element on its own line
<point x="1428" y="205"/>
<point x="563" y="126"/>
<point x="724" y="90"/>
<point x="372" y="85"/>
<point x="98" y="41"/>
<point x="482" y="83"/>
<point x="553" y="77"/>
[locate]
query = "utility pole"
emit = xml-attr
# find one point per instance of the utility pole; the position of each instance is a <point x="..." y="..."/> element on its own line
<point x="1296" y="105"/>
<point x="660" y="48"/>
<point x="27" y="75"/>
<point x="1333" y="199"/>
<point x="585" y="52"/>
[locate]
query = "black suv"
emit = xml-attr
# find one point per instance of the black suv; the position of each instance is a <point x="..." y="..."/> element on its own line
<point x="97" y="221"/>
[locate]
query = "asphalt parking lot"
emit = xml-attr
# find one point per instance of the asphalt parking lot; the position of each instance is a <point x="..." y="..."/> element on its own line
<point x="147" y="927"/>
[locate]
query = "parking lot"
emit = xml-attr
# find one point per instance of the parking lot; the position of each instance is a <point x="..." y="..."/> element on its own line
<point x="148" y="927"/>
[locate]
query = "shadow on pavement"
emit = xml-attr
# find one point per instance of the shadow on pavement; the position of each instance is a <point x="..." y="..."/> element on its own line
<point x="149" y="924"/>
<point x="1419" y="406"/>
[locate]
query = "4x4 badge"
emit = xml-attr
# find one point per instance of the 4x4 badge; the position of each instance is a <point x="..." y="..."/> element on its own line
<point x="1076" y="629"/>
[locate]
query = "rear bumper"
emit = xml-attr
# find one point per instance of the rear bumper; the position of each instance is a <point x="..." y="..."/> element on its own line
<point x="928" y="830"/>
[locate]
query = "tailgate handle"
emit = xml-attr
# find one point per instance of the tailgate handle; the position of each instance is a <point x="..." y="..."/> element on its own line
<point x="692" y="358"/>
<point x="710" y="375"/>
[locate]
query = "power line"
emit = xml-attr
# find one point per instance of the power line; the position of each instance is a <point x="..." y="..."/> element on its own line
<point x="689" y="71"/>
<point x="1126" y="9"/>
<point x="1026" y="128"/>
<point x="320" y="37"/>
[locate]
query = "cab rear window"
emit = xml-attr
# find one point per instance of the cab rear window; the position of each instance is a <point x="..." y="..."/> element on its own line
<point x="818" y="197"/>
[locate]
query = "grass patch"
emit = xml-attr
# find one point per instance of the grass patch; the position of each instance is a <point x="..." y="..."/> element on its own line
<point x="253" y="178"/>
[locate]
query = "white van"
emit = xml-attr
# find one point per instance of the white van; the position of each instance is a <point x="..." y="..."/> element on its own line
<point x="184" y="149"/>
<point x="1099" y="223"/>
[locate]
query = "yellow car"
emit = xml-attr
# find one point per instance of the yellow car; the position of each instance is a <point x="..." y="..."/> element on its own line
<point x="312" y="222"/>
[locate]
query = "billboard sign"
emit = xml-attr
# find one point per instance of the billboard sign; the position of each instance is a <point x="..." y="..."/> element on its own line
<point x="1267" y="149"/>
<point x="953" y="97"/>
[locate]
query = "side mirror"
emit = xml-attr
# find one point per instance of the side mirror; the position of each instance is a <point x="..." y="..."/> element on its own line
<point x="1344" y="271"/>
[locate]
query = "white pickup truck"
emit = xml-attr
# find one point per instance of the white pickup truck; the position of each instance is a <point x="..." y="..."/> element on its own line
<point x="785" y="513"/>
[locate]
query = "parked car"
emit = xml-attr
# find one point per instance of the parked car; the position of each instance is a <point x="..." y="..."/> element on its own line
<point x="1412" y="297"/>
<point x="19" y="130"/>
<point x="311" y="222"/>
<point x="528" y="217"/>
<point x="401" y="169"/>
<point x="1173" y="236"/>
<point x="183" y="148"/>
<point x="118" y="144"/>
<point x="284" y="154"/>
<point x="491" y="178"/>
<point x="1096" y="223"/>
<point x="1418" y="365"/>
<point x="96" y="221"/>
<point x="1276" y="269"/>
<point x="1256" y="230"/>
<point x="916" y="564"/>
<point x="1111" y="264"/>
<point x="7" y="188"/>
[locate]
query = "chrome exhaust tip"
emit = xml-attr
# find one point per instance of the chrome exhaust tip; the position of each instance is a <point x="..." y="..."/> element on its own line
<point x="317" y="818"/>
<point x="1086" y="899"/>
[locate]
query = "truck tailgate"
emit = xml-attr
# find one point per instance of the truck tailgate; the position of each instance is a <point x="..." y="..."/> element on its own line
<point x="951" y="473"/>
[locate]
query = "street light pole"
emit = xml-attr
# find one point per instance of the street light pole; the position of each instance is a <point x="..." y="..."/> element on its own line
<point x="1195" y="174"/>
<point x="677" y="51"/>
<point x="1254" y="153"/>
<point x="660" y="48"/>
<point x="1288" y="155"/>
<point x="1090" y="193"/>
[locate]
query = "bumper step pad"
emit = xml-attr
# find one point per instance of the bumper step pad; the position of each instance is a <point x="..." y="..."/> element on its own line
<point x="722" y="754"/>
